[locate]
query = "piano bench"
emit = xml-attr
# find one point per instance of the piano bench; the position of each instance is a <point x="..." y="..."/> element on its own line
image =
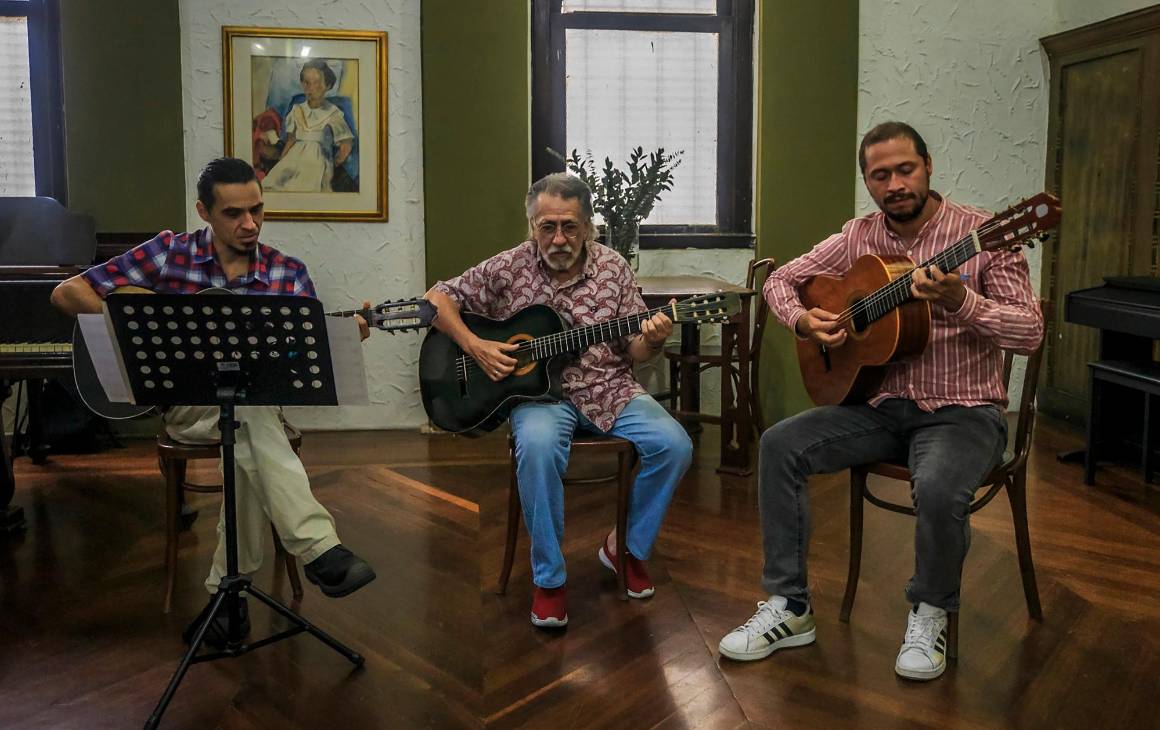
<point x="1142" y="376"/>
<point x="172" y="458"/>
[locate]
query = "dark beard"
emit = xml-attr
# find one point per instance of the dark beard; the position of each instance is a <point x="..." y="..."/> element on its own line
<point x="907" y="216"/>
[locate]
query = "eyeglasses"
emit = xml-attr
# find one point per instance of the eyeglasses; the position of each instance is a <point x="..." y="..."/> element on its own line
<point x="547" y="229"/>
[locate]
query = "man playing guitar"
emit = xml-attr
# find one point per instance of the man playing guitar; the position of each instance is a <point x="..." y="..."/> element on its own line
<point x="942" y="413"/>
<point x="586" y="283"/>
<point x="271" y="482"/>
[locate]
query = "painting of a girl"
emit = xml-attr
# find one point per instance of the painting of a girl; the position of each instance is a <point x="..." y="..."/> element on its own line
<point x="318" y="139"/>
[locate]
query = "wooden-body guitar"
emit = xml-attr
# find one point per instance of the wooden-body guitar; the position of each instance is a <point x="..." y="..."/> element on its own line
<point x="883" y="322"/>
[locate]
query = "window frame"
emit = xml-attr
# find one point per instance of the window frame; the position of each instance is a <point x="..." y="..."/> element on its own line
<point x="44" y="66"/>
<point x="733" y="23"/>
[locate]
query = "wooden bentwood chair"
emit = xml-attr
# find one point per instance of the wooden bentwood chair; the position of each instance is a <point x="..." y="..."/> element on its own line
<point x="710" y="356"/>
<point x="173" y="457"/>
<point x="1011" y="473"/>
<point x="626" y="457"/>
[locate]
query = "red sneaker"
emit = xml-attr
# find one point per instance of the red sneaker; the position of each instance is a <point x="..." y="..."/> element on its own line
<point x="550" y="607"/>
<point x="636" y="577"/>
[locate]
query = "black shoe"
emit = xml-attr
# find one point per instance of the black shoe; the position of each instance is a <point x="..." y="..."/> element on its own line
<point x="217" y="635"/>
<point x="339" y="572"/>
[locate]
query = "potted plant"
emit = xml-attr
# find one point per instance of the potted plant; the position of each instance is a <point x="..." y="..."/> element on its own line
<point x="624" y="198"/>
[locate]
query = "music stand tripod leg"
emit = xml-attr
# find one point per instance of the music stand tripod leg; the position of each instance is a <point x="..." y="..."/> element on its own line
<point x="233" y="584"/>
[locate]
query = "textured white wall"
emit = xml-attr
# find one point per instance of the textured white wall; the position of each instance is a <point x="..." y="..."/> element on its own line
<point x="348" y="261"/>
<point x="971" y="77"/>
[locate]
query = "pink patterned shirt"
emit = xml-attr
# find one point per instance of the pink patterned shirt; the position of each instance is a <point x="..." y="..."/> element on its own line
<point x="963" y="362"/>
<point x="600" y="382"/>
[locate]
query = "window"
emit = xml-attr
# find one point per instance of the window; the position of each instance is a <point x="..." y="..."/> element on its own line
<point x="612" y="75"/>
<point x="31" y="138"/>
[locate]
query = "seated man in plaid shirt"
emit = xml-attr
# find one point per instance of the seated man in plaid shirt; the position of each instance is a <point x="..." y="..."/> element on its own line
<point x="271" y="481"/>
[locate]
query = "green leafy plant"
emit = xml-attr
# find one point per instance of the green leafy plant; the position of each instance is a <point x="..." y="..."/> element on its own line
<point x="624" y="198"/>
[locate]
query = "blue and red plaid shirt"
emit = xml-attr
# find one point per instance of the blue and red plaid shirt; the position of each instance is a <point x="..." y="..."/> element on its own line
<point x="183" y="263"/>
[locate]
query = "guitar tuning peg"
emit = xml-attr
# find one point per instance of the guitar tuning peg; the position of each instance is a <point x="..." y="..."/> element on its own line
<point x="1030" y="243"/>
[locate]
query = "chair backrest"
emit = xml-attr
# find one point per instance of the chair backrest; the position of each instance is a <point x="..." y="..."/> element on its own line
<point x="1026" y="420"/>
<point x="759" y="270"/>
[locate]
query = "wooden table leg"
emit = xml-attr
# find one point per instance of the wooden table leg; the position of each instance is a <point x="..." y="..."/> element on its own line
<point x="735" y="422"/>
<point x="690" y="376"/>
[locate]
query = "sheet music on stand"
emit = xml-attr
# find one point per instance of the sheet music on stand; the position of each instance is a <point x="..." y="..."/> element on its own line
<point x="167" y="341"/>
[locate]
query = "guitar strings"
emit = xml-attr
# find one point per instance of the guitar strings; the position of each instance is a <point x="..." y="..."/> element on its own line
<point x="901" y="285"/>
<point x="466" y="364"/>
<point x="903" y="282"/>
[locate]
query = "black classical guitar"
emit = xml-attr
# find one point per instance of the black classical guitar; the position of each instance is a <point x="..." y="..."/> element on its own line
<point x="398" y="316"/>
<point x="459" y="397"/>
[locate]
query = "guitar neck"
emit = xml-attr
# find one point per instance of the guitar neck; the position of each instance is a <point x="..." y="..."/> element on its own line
<point x="581" y="338"/>
<point x="897" y="292"/>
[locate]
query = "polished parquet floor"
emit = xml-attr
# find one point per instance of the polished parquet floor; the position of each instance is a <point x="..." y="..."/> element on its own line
<point x="84" y="644"/>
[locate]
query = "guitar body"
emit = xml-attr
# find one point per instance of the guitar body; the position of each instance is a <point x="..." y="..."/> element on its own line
<point x="852" y="372"/>
<point x="474" y="405"/>
<point x="89" y="387"/>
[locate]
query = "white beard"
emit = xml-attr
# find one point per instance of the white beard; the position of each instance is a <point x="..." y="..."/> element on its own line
<point x="556" y="265"/>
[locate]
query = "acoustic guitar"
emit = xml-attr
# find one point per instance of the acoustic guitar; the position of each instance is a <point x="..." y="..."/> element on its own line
<point x="459" y="397"/>
<point x="397" y="316"/>
<point x="883" y="322"/>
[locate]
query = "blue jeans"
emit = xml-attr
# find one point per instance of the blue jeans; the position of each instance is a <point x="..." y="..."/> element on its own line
<point x="543" y="433"/>
<point x="949" y="452"/>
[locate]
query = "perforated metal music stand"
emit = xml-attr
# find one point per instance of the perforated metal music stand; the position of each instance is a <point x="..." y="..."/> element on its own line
<point x="226" y="351"/>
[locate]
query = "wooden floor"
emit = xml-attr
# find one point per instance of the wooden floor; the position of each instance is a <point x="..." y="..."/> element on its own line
<point x="83" y="642"/>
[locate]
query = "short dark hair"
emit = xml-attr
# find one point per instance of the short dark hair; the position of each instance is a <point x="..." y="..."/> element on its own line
<point x="320" y="66"/>
<point x="887" y="131"/>
<point x="222" y="170"/>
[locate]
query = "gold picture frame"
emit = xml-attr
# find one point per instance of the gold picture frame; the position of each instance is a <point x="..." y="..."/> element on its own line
<point x="308" y="108"/>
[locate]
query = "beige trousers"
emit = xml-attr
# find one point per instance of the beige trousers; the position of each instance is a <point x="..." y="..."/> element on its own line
<point x="270" y="486"/>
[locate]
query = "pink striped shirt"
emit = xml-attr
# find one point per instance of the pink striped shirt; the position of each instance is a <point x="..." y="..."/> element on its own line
<point x="963" y="362"/>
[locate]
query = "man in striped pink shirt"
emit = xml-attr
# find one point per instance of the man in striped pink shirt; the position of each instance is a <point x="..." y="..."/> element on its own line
<point x="941" y="413"/>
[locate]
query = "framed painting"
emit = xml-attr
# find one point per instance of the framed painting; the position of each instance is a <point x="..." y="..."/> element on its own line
<point x="308" y="109"/>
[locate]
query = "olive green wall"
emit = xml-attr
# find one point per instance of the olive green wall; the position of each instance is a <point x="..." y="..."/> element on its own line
<point x="121" y="63"/>
<point x="476" y="160"/>
<point x="806" y="153"/>
<point x="476" y="85"/>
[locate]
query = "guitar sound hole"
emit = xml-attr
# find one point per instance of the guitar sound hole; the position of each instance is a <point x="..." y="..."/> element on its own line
<point x="861" y="320"/>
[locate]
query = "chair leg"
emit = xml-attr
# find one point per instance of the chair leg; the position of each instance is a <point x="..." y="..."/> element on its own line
<point x="953" y="635"/>
<point x="1089" y="454"/>
<point x="291" y="563"/>
<point x="174" y="472"/>
<point x="1017" y="494"/>
<point x="513" y="526"/>
<point x="857" y="491"/>
<point x="623" y="489"/>
<point x="1146" y="456"/>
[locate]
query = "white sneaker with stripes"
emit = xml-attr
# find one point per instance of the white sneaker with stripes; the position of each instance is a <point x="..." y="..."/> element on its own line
<point x="924" y="648"/>
<point x="773" y="627"/>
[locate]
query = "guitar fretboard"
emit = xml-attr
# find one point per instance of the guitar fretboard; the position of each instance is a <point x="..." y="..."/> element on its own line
<point x="897" y="292"/>
<point x="581" y="338"/>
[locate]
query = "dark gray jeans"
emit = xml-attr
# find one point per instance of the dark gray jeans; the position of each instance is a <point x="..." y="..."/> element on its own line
<point x="949" y="452"/>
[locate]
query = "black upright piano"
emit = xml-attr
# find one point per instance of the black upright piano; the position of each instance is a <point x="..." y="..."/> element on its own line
<point x="1126" y="311"/>
<point x="41" y="244"/>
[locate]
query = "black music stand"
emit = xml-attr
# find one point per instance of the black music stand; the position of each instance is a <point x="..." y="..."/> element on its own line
<point x="226" y="350"/>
